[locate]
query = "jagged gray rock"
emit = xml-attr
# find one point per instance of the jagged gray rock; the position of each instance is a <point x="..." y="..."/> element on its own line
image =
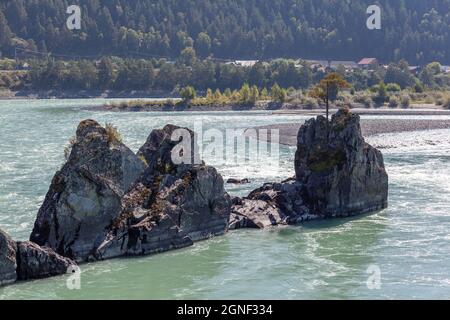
<point x="342" y="175"/>
<point x="85" y="195"/>
<point x="171" y="205"/>
<point x="8" y="262"/>
<point x="337" y="175"/>
<point x="107" y="202"/>
<point x="36" y="262"/>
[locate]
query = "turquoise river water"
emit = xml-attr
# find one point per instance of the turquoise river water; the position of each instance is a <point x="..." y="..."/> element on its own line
<point x="408" y="244"/>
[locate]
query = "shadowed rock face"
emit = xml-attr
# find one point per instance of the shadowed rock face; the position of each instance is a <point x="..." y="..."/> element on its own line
<point x="272" y="204"/>
<point x="107" y="202"/>
<point x="85" y="195"/>
<point x="158" y="148"/>
<point x="342" y="175"/>
<point x="337" y="174"/>
<point x="170" y="206"/>
<point x="27" y="260"/>
<point x="35" y="262"/>
<point x="7" y="259"/>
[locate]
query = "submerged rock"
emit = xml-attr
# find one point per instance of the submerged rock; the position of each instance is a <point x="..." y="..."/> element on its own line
<point x="8" y="262"/>
<point x="171" y="205"/>
<point x="35" y="262"/>
<point x="337" y="175"/>
<point x="85" y="195"/>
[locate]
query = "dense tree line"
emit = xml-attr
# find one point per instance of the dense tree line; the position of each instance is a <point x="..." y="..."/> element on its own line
<point x="113" y="73"/>
<point x="415" y="30"/>
<point x="138" y="74"/>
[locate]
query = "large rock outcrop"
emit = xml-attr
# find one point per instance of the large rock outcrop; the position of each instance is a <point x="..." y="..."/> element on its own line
<point x="107" y="202"/>
<point x="85" y="195"/>
<point x="8" y="262"/>
<point x="337" y="175"/>
<point x="171" y="205"/>
<point x="342" y="175"/>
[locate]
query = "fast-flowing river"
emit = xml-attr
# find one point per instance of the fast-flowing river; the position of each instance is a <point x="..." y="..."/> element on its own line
<point x="401" y="252"/>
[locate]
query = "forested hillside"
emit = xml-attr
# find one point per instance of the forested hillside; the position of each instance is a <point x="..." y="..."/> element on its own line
<point x="415" y="30"/>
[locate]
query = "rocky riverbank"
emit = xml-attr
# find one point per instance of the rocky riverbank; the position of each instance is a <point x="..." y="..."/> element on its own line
<point x="107" y="201"/>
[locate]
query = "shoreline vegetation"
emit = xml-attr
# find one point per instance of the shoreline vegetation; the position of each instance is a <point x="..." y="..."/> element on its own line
<point x="296" y="82"/>
<point x="206" y="85"/>
<point x="277" y="98"/>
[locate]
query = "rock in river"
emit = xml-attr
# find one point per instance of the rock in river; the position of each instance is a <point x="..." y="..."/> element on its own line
<point x="85" y="195"/>
<point x="171" y="205"/>
<point x="342" y="175"/>
<point x="337" y="175"/>
<point x="107" y="202"/>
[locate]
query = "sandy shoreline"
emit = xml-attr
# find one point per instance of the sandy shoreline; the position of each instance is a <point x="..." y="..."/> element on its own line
<point x="415" y="110"/>
<point x="288" y="131"/>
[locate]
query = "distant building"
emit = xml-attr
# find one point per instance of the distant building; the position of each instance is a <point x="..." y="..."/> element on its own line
<point x="318" y="63"/>
<point x="445" y="69"/>
<point x="368" y="63"/>
<point x="332" y="64"/>
<point x="348" y="65"/>
<point x="415" y="69"/>
<point x="22" y="66"/>
<point x="244" y="63"/>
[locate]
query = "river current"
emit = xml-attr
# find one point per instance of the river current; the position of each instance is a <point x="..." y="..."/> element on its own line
<point x="401" y="252"/>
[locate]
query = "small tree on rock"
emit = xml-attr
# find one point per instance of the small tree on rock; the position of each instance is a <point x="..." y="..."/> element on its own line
<point x="328" y="89"/>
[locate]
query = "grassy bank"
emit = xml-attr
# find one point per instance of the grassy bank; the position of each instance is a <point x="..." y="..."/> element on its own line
<point x="252" y="98"/>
